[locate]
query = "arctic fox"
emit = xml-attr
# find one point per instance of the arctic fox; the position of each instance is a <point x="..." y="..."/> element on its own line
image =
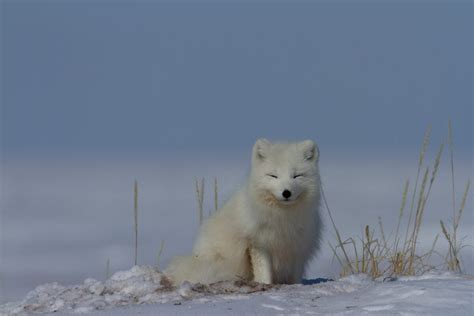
<point x="269" y="230"/>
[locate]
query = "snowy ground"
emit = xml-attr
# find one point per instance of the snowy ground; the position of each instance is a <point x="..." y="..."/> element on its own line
<point x="144" y="291"/>
<point x="62" y="221"/>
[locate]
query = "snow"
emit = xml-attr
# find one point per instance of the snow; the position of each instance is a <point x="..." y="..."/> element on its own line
<point x="135" y="286"/>
<point x="56" y="202"/>
<point x="144" y="290"/>
<point x="81" y="212"/>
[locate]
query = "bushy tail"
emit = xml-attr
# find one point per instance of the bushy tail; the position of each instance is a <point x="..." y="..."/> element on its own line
<point x="196" y="269"/>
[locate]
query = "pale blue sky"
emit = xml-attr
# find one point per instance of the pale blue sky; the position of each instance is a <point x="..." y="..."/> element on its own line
<point x="103" y="77"/>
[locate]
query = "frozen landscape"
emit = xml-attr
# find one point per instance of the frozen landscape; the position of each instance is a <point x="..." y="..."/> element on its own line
<point x="96" y="95"/>
<point x="63" y="223"/>
<point x="144" y="291"/>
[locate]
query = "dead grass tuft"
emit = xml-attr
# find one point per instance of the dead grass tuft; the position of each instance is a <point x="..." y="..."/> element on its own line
<point x="377" y="255"/>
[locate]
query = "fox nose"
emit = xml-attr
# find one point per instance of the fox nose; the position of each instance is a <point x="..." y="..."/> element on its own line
<point x="286" y="194"/>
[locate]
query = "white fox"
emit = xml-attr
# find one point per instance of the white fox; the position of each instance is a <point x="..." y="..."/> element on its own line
<point x="269" y="230"/>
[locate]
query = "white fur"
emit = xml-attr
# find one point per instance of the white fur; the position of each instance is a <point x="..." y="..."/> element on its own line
<point x="258" y="234"/>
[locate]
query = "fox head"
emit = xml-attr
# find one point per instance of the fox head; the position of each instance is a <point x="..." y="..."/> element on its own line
<point x="284" y="174"/>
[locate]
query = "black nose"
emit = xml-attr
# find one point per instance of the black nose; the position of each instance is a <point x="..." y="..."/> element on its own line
<point x="286" y="194"/>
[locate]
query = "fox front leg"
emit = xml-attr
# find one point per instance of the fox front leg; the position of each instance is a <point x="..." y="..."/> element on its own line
<point x="261" y="266"/>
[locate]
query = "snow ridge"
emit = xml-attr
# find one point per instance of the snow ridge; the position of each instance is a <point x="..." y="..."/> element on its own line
<point x="144" y="290"/>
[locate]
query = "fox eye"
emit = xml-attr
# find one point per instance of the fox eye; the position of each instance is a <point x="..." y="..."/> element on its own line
<point x="272" y="175"/>
<point x="297" y="176"/>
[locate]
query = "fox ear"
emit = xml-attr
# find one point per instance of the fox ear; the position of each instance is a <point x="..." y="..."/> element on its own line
<point x="260" y="148"/>
<point x="310" y="150"/>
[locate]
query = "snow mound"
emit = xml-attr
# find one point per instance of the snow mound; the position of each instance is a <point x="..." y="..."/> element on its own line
<point x="139" y="285"/>
<point x="144" y="290"/>
<point x="135" y="286"/>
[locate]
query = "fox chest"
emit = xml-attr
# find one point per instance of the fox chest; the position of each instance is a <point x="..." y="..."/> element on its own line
<point x="284" y="241"/>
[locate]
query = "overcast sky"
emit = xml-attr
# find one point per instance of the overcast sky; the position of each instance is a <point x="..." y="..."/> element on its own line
<point x="103" y="77"/>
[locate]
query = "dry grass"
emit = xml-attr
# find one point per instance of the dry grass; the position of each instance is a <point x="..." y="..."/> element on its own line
<point x="135" y="229"/>
<point x="375" y="254"/>
<point x="199" y="186"/>
<point x="107" y="269"/>
<point x="160" y="251"/>
<point x="135" y="217"/>
<point x="452" y="258"/>
<point x="200" y="198"/>
<point x="216" y="197"/>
